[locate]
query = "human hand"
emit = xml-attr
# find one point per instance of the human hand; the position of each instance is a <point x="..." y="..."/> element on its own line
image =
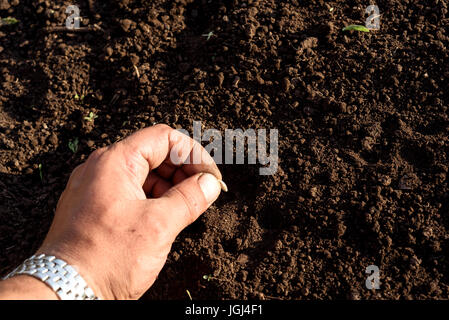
<point x="123" y="208"/>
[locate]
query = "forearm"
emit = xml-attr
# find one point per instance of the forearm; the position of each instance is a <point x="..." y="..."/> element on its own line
<point x="23" y="287"/>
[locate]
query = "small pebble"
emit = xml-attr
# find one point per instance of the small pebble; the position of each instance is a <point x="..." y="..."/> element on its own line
<point x="125" y="24"/>
<point x="109" y="51"/>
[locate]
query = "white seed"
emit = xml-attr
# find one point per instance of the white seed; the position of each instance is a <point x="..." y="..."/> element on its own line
<point x="223" y="185"/>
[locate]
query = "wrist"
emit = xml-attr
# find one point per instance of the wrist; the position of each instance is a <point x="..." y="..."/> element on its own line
<point x="91" y="273"/>
<point x="24" y="287"/>
<point x="58" y="275"/>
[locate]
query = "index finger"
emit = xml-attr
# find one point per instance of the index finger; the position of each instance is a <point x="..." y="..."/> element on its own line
<point x="147" y="149"/>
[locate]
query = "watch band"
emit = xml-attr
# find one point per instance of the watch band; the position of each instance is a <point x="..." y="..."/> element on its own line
<point x="65" y="281"/>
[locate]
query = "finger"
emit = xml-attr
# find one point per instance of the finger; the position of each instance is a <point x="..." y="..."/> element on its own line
<point x="155" y="186"/>
<point x="179" y="176"/>
<point x="166" y="170"/>
<point x="147" y="149"/>
<point x="186" y="201"/>
<point x="200" y="161"/>
<point x="171" y="173"/>
<point x="76" y="176"/>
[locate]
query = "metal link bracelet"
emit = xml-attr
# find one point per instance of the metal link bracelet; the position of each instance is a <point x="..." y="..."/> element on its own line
<point x="58" y="275"/>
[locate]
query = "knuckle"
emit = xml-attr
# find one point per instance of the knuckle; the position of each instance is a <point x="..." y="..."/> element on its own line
<point x="132" y="160"/>
<point x="132" y="150"/>
<point x="96" y="154"/>
<point x="74" y="179"/>
<point x="77" y="169"/>
<point x="163" y="126"/>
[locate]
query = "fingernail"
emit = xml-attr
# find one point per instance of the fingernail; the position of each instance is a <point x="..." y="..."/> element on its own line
<point x="210" y="187"/>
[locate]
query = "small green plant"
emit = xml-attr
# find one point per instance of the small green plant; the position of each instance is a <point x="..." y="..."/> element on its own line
<point x="8" y="21"/>
<point x="91" y="117"/>
<point x="73" y="145"/>
<point x="207" y="277"/>
<point x="356" y="27"/>
<point x="81" y="98"/>
<point x="41" y="174"/>
<point x="208" y="35"/>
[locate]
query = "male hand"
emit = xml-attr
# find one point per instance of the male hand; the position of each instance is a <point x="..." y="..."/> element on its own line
<point x="123" y="208"/>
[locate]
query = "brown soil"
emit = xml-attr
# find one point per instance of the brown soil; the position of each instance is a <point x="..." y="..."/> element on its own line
<point x="363" y="123"/>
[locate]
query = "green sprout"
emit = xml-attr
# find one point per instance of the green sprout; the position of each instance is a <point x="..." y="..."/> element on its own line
<point x="207" y="277"/>
<point x="91" y="117"/>
<point x="190" y="296"/>
<point x="356" y="27"/>
<point x="73" y="145"/>
<point x="41" y="174"/>
<point x="8" y="21"/>
<point x="208" y="35"/>
<point x="77" y="97"/>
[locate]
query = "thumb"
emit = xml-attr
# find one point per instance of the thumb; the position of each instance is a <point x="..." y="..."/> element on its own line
<point x="185" y="202"/>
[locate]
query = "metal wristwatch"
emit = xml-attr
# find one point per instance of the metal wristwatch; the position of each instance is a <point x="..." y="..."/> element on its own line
<point x="65" y="281"/>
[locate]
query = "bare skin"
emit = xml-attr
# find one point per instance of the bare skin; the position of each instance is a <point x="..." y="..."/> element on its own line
<point x="121" y="211"/>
